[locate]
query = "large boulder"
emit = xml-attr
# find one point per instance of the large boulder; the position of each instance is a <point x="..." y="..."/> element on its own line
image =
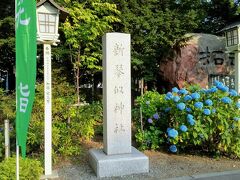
<point x="202" y="56"/>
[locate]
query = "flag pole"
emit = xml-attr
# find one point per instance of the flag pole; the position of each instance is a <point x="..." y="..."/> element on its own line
<point x="17" y="161"/>
<point x="17" y="147"/>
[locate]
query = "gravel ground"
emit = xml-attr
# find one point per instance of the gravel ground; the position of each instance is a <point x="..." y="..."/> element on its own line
<point x="162" y="166"/>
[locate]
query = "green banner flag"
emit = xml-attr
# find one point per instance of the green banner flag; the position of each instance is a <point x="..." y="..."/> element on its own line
<point x="26" y="48"/>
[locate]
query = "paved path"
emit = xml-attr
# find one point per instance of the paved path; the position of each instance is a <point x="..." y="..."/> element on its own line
<point x="226" y="175"/>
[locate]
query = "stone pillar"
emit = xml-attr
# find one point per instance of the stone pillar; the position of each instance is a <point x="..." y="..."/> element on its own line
<point x="116" y="93"/>
<point x="237" y="71"/>
<point x="118" y="157"/>
<point x="7" y="138"/>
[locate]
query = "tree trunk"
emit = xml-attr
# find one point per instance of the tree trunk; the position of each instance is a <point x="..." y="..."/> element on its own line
<point x="78" y="77"/>
<point x="74" y="70"/>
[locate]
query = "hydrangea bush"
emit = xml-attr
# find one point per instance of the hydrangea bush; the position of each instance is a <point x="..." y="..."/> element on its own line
<point x="191" y="118"/>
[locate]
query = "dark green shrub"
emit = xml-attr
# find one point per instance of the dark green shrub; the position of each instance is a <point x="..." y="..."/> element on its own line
<point x="151" y="137"/>
<point x="70" y="123"/>
<point x="1" y="144"/>
<point x="29" y="169"/>
<point x="7" y="111"/>
<point x="7" y="106"/>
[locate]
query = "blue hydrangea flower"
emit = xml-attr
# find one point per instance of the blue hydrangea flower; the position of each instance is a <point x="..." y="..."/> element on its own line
<point x="214" y="111"/>
<point x="221" y="86"/>
<point x="218" y="83"/>
<point x="167" y="109"/>
<point x="173" y="148"/>
<point x="204" y="91"/>
<point x="167" y="98"/>
<point x="206" y="112"/>
<point x="190" y="119"/>
<point x="226" y="100"/>
<point x="168" y="129"/>
<point x="238" y="105"/>
<point x="191" y="122"/>
<point x="1" y="129"/>
<point x="198" y="105"/>
<point x="176" y="98"/>
<point x="172" y="133"/>
<point x="232" y="92"/>
<point x="169" y="94"/>
<point x="188" y="109"/>
<point x="213" y="89"/>
<point x="195" y="95"/>
<point x="189" y="116"/>
<point x="209" y="102"/>
<point x="224" y="88"/>
<point x="236" y="118"/>
<point x="156" y="116"/>
<point x="175" y="90"/>
<point x="150" y="121"/>
<point x="183" y="128"/>
<point x="187" y="98"/>
<point x="182" y="91"/>
<point x="147" y="102"/>
<point x="181" y="106"/>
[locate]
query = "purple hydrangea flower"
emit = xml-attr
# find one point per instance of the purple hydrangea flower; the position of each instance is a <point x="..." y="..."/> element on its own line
<point x="150" y="121"/>
<point x="156" y="116"/>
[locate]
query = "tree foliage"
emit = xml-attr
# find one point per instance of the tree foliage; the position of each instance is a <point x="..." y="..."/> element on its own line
<point x="87" y="23"/>
<point x="218" y="14"/>
<point x="155" y="26"/>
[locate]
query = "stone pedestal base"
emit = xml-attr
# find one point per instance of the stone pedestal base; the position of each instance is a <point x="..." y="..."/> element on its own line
<point x="53" y="176"/>
<point x="118" y="165"/>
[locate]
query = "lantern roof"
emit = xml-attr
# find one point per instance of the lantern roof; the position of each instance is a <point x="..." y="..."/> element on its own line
<point x="63" y="11"/>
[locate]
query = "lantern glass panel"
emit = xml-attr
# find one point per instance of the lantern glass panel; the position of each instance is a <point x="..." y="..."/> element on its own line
<point x="47" y="23"/>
